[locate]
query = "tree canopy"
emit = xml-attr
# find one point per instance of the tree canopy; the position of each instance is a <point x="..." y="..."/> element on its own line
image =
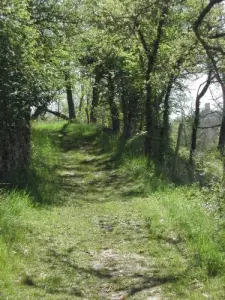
<point x="125" y="57"/>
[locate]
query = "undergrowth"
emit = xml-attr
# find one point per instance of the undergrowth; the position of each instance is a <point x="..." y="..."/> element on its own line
<point x="192" y="213"/>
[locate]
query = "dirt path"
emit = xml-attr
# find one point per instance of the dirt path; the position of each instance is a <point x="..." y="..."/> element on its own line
<point x="94" y="244"/>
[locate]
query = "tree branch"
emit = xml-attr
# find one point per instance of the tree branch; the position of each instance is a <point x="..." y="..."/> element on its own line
<point x="151" y="54"/>
<point x="211" y="113"/>
<point x="205" y="45"/>
<point x="43" y="109"/>
<point x="58" y="114"/>
<point x="205" y="88"/>
<point x="143" y="41"/>
<point x="217" y="35"/>
<point x="155" y="46"/>
<point x="208" y="127"/>
<point x="204" y="12"/>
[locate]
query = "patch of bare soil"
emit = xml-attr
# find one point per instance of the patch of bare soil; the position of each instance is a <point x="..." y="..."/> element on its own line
<point x="129" y="276"/>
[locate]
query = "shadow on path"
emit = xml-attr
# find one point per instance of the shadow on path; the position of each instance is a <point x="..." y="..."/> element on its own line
<point x="89" y="175"/>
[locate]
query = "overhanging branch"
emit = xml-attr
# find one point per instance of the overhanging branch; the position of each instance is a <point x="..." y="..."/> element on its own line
<point x="57" y="114"/>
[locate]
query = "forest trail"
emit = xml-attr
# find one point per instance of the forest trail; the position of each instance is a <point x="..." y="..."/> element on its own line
<point x="94" y="242"/>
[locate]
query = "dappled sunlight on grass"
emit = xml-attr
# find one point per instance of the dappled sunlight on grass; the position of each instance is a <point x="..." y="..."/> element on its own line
<point x="105" y="218"/>
<point x="15" y="208"/>
<point x="49" y="126"/>
<point x="41" y="179"/>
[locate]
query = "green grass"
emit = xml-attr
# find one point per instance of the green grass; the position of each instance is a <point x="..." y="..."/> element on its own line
<point x="15" y="207"/>
<point x="192" y="224"/>
<point x="96" y="222"/>
<point x="49" y="126"/>
<point x="41" y="182"/>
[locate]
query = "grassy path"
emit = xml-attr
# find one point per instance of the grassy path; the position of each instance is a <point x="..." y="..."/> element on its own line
<point x="93" y="244"/>
<point x="96" y="241"/>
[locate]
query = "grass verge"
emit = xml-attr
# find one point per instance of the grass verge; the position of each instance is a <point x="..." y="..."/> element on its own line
<point x="18" y="206"/>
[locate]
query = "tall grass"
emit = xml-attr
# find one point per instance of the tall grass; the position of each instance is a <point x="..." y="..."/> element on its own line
<point x="16" y="205"/>
<point x="182" y="214"/>
<point x="189" y="214"/>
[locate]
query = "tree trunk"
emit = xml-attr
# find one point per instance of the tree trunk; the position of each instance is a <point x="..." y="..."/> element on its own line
<point x="38" y="112"/>
<point x="95" y="98"/>
<point x="177" y="147"/>
<point x="127" y="120"/>
<point x="211" y="52"/>
<point x="14" y="140"/>
<point x="81" y="99"/>
<point x="87" y="115"/>
<point x="197" y="118"/>
<point x="113" y="107"/>
<point x="222" y="128"/>
<point x="164" y="137"/>
<point x="149" y="117"/>
<point x="126" y="114"/>
<point x="151" y="54"/>
<point x="69" y="94"/>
